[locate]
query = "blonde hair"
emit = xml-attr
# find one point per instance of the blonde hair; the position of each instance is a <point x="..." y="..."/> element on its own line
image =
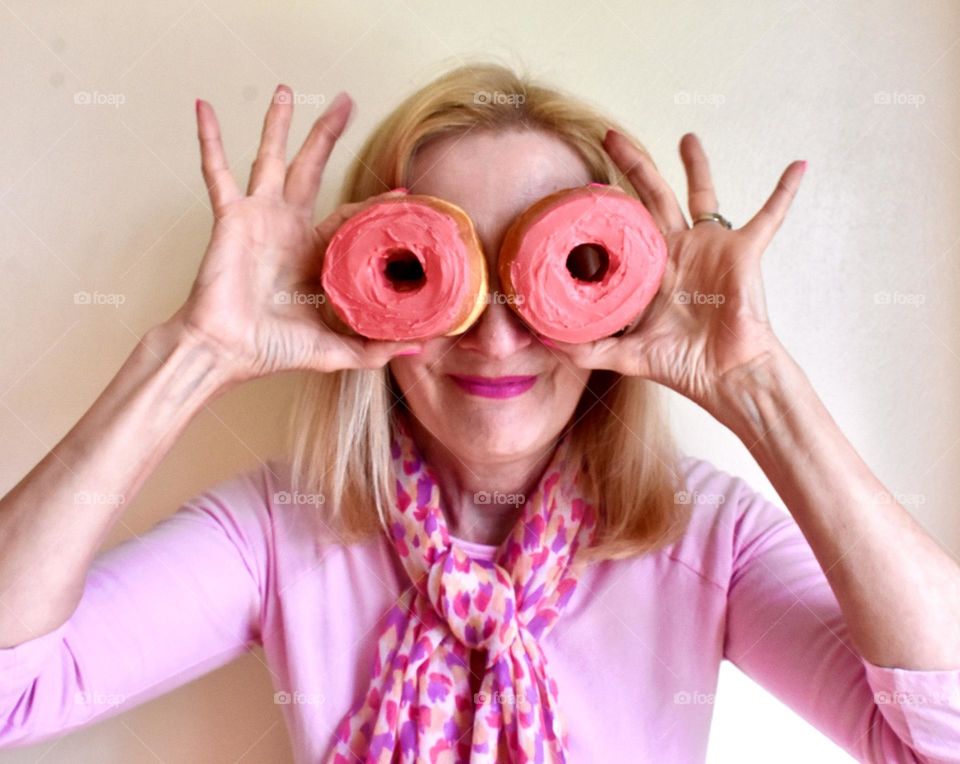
<point x="339" y="435"/>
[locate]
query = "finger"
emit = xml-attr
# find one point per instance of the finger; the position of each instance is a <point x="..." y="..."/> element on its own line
<point x="306" y="170"/>
<point x="623" y="355"/>
<point x="701" y="196"/>
<point x="650" y="186"/>
<point x="583" y="354"/>
<point x="344" y="352"/>
<point x="270" y="166"/>
<point x="768" y="219"/>
<point x="220" y="184"/>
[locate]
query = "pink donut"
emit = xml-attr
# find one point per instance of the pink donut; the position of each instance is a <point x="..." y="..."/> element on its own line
<point x="406" y="269"/>
<point x="544" y="247"/>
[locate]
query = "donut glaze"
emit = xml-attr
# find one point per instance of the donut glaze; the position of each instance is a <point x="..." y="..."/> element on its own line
<point x="548" y="297"/>
<point x="450" y="292"/>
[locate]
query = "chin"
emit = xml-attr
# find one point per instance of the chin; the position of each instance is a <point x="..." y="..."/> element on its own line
<point x="479" y="428"/>
<point x="496" y="449"/>
<point x="506" y="430"/>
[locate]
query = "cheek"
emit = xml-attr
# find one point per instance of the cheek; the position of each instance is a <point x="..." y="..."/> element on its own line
<point x="415" y="370"/>
<point x="408" y="371"/>
<point x="570" y="379"/>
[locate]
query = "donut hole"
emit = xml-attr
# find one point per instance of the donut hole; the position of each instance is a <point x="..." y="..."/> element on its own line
<point x="588" y="262"/>
<point x="403" y="271"/>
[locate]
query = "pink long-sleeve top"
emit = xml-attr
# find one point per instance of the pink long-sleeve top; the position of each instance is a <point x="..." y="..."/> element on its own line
<point x="635" y="654"/>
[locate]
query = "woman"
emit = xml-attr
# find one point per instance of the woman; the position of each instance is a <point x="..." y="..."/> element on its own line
<point x="556" y="582"/>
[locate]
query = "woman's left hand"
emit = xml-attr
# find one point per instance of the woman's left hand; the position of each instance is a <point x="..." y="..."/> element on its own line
<point x="709" y="316"/>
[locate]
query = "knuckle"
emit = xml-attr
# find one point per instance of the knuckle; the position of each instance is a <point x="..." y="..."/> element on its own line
<point x="304" y="167"/>
<point x="268" y="156"/>
<point x="321" y="139"/>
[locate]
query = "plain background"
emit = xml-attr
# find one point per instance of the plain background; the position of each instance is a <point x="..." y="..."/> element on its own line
<point x="106" y="197"/>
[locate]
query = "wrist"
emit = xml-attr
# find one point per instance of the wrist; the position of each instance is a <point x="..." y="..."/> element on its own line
<point x="751" y="399"/>
<point x="174" y="342"/>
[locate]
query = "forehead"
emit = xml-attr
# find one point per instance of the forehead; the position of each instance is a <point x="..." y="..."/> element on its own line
<point x="495" y="174"/>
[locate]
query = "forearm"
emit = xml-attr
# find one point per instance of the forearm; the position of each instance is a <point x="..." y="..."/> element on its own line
<point x="898" y="589"/>
<point x="54" y="520"/>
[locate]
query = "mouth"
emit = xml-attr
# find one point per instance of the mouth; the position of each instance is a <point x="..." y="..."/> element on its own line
<point x="494" y="387"/>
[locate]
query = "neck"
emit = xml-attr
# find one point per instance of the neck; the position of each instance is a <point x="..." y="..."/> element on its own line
<point x="481" y="500"/>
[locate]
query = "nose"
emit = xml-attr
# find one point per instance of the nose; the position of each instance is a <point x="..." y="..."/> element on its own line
<point x="499" y="332"/>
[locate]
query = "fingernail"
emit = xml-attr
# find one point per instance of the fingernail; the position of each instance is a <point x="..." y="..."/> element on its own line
<point x="600" y="185"/>
<point x="549" y="343"/>
<point x="196" y="105"/>
<point x="803" y="166"/>
<point x="607" y="135"/>
<point x="400" y="190"/>
<point x="408" y="351"/>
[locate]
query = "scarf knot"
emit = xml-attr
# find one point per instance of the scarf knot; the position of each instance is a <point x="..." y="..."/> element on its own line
<point x="477" y="600"/>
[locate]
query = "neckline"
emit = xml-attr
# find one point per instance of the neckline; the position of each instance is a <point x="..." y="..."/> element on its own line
<point x="475" y="548"/>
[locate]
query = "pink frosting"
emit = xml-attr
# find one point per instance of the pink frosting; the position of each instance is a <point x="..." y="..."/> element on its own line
<point x="558" y="305"/>
<point x="359" y="290"/>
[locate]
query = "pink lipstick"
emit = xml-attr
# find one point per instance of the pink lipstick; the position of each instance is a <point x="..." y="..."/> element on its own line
<point x="494" y="387"/>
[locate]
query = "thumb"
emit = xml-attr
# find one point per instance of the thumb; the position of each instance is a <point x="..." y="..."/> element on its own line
<point x="578" y="352"/>
<point x="376" y="353"/>
<point x="768" y="219"/>
<point x="331" y="352"/>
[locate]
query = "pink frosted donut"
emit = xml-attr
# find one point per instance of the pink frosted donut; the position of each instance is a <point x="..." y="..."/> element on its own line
<point x="406" y="269"/>
<point x="582" y="263"/>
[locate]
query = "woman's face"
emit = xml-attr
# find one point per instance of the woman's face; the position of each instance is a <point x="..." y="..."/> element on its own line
<point x="493" y="176"/>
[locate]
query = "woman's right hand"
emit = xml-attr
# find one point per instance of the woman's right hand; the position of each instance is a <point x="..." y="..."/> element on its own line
<point x="257" y="298"/>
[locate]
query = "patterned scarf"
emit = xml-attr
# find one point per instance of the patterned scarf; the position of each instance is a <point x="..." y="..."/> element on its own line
<point x="420" y="706"/>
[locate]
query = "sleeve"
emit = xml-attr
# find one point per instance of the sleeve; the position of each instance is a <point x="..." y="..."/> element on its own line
<point x="157" y="611"/>
<point x="786" y="631"/>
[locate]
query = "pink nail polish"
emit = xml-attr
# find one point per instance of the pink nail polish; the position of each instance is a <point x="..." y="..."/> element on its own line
<point x="549" y="342"/>
<point x="803" y="166"/>
<point x="408" y="351"/>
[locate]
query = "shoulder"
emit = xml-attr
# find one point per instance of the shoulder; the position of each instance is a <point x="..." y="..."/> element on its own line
<point x="239" y="507"/>
<point x="263" y="497"/>
<point x="727" y="518"/>
<point x="266" y="518"/>
<point x="295" y="517"/>
<point x="244" y="498"/>
<point x="255" y="507"/>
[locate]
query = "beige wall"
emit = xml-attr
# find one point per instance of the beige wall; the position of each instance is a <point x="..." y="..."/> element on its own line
<point x="108" y="198"/>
